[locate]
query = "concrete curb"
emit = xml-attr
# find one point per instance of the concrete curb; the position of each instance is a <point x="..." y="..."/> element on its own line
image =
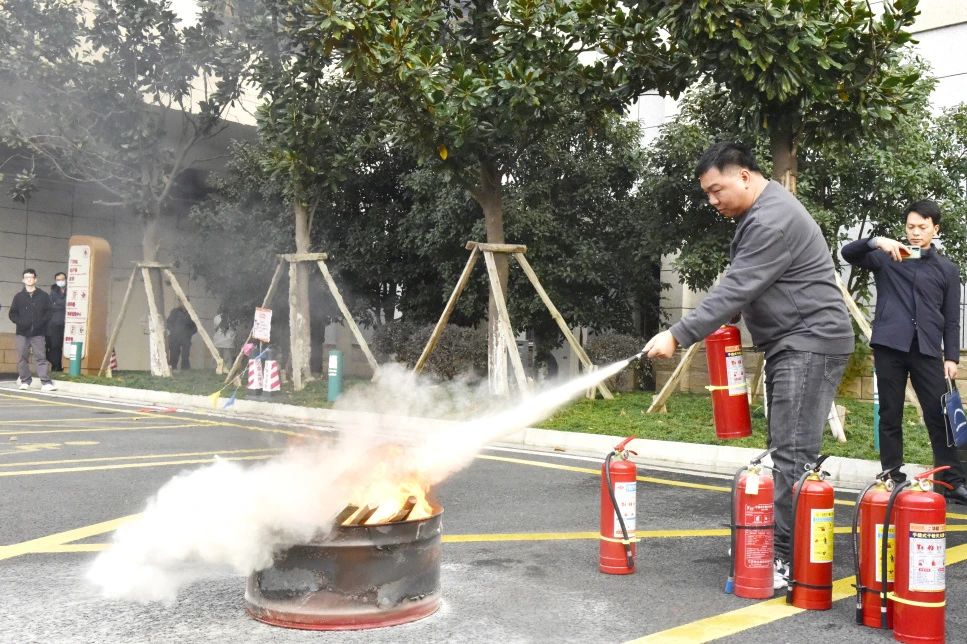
<point x="848" y="473"/>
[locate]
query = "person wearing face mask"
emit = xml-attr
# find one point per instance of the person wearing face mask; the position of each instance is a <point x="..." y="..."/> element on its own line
<point x="916" y="334"/>
<point x="55" y="328"/>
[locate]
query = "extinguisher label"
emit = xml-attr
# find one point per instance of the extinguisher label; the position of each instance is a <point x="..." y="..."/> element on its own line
<point x="735" y="370"/>
<point x="890" y="553"/>
<point x="821" y="536"/>
<point x="757" y="545"/>
<point x="928" y="549"/>
<point x="625" y="494"/>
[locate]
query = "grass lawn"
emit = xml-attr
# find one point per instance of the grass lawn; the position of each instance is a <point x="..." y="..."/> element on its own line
<point x="689" y="417"/>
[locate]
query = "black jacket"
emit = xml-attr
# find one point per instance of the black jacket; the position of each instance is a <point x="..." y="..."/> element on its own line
<point x="58" y="305"/>
<point x="914" y="298"/>
<point x="179" y="324"/>
<point x="30" y="312"/>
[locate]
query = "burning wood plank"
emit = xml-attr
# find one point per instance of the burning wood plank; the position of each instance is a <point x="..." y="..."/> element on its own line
<point x="345" y="513"/>
<point x="361" y="516"/>
<point x="403" y="511"/>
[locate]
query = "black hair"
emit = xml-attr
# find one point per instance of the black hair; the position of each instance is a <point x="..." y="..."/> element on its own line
<point x="30" y="271"/>
<point x="722" y="154"/>
<point x="60" y="273"/>
<point x="926" y="208"/>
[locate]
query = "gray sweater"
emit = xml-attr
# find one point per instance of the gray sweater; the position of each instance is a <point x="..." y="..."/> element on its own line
<point x="781" y="279"/>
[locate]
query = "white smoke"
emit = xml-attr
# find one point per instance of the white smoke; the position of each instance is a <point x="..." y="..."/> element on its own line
<point x="228" y="517"/>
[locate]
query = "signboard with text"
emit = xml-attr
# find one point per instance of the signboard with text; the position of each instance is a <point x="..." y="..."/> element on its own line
<point x="262" y="328"/>
<point x="78" y="310"/>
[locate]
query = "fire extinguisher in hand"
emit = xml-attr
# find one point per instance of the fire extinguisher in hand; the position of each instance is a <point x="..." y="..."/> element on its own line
<point x="874" y="550"/>
<point x="811" y="542"/>
<point x="619" y="483"/>
<point x="919" y="587"/>
<point x="753" y="498"/>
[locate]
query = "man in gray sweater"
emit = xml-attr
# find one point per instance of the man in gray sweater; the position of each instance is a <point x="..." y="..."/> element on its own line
<point x="781" y="280"/>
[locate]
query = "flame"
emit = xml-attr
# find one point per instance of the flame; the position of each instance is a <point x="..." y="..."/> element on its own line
<point x="389" y="496"/>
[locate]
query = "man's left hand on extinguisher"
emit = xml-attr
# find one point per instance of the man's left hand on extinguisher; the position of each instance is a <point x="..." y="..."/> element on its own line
<point x="661" y="345"/>
<point x="950" y="369"/>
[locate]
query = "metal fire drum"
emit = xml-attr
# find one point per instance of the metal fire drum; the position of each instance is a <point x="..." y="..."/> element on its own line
<point x="355" y="577"/>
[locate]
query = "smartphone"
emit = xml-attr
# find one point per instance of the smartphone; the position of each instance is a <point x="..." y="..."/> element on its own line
<point x="909" y="252"/>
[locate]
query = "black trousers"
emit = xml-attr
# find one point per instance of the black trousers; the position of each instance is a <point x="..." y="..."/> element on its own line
<point x="55" y="346"/>
<point x="179" y="347"/>
<point x="927" y="377"/>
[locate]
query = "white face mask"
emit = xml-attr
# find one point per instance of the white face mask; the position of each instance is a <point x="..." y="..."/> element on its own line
<point x="61" y="283"/>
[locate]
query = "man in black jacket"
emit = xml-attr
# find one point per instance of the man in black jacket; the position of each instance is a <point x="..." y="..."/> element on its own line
<point x="30" y="312"/>
<point x="916" y="333"/>
<point x="180" y="329"/>
<point x="55" y="328"/>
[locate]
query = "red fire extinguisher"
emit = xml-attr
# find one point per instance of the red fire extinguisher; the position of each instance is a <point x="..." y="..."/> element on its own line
<point x="872" y="539"/>
<point x="918" y="595"/>
<point x="811" y="542"/>
<point x="726" y="374"/>
<point x="619" y="486"/>
<point x="753" y="494"/>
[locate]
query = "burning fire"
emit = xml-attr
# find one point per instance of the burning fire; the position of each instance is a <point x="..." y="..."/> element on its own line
<point x="388" y="500"/>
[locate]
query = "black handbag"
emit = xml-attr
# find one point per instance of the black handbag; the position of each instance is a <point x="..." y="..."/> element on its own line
<point x="954" y="417"/>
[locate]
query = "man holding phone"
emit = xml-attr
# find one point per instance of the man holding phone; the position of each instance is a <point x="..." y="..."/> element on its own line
<point x="916" y="333"/>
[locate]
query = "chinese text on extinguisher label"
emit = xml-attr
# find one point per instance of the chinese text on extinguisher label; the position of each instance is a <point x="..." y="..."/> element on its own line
<point x="928" y="549"/>
<point x="821" y="536"/>
<point x="735" y="369"/>
<point x="890" y="552"/>
<point x="625" y="494"/>
<point x="758" y="543"/>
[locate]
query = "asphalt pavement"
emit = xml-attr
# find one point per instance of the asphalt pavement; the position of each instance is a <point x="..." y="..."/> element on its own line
<point x="519" y="556"/>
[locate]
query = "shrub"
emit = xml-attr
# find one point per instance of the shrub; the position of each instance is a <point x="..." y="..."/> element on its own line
<point x="606" y="348"/>
<point x="459" y="351"/>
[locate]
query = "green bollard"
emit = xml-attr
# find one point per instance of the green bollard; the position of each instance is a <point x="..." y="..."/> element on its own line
<point x="335" y="375"/>
<point x="76" y="357"/>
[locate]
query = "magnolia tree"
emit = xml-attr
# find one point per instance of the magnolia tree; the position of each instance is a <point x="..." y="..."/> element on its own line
<point x="117" y="94"/>
<point x="473" y="85"/>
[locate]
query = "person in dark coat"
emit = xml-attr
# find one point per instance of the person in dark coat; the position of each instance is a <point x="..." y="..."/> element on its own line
<point x="916" y="334"/>
<point x="180" y="329"/>
<point x="30" y="312"/>
<point x="55" y="328"/>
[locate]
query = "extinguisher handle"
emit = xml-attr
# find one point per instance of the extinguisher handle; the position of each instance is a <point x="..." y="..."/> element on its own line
<point x="620" y="447"/>
<point x="928" y="473"/>
<point x="758" y="459"/>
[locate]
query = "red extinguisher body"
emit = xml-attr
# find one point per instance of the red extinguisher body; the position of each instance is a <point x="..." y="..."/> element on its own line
<point x="726" y="374"/>
<point x="811" y="578"/>
<point x="615" y="556"/>
<point x="872" y="515"/>
<point x="754" y="547"/>
<point x="920" y="586"/>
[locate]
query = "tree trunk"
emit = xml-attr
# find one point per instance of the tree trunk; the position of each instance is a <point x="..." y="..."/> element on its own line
<point x="157" y="346"/>
<point x="489" y="194"/>
<point x="299" y="301"/>
<point x="785" y="166"/>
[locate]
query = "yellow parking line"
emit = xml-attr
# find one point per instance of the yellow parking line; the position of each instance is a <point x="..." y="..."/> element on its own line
<point x="124" y="466"/>
<point x="272" y="450"/>
<point x="758" y="614"/>
<point x="60" y="538"/>
<point x="99" y="419"/>
<point x="59" y="403"/>
<point x="597" y="472"/>
<point x="82" y="430"/>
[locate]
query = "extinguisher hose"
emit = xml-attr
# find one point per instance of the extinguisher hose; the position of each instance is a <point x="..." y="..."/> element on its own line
<point x="860" y="588"/>
<point x="885" y="551"/>
<point x="730" y="582"/>
<point x="617" y="510"/>
<point x="792" y="536"/>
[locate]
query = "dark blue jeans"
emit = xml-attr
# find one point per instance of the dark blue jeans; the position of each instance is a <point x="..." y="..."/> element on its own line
<point x="800" y="387"/>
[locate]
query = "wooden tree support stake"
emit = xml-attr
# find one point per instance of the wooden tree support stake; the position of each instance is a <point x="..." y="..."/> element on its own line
<point x="156" y="323"/>
<point x="503" y="323"/>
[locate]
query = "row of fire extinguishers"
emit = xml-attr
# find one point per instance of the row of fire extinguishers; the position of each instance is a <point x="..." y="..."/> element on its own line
<point x="897" y="528"/>
<point x="909" y="598"/>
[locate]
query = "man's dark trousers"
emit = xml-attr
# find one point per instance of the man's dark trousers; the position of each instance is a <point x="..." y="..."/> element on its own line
<point x="927" y="377"/>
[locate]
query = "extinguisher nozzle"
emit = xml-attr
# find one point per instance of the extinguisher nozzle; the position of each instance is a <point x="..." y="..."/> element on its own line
<point x="729" y="586"/>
